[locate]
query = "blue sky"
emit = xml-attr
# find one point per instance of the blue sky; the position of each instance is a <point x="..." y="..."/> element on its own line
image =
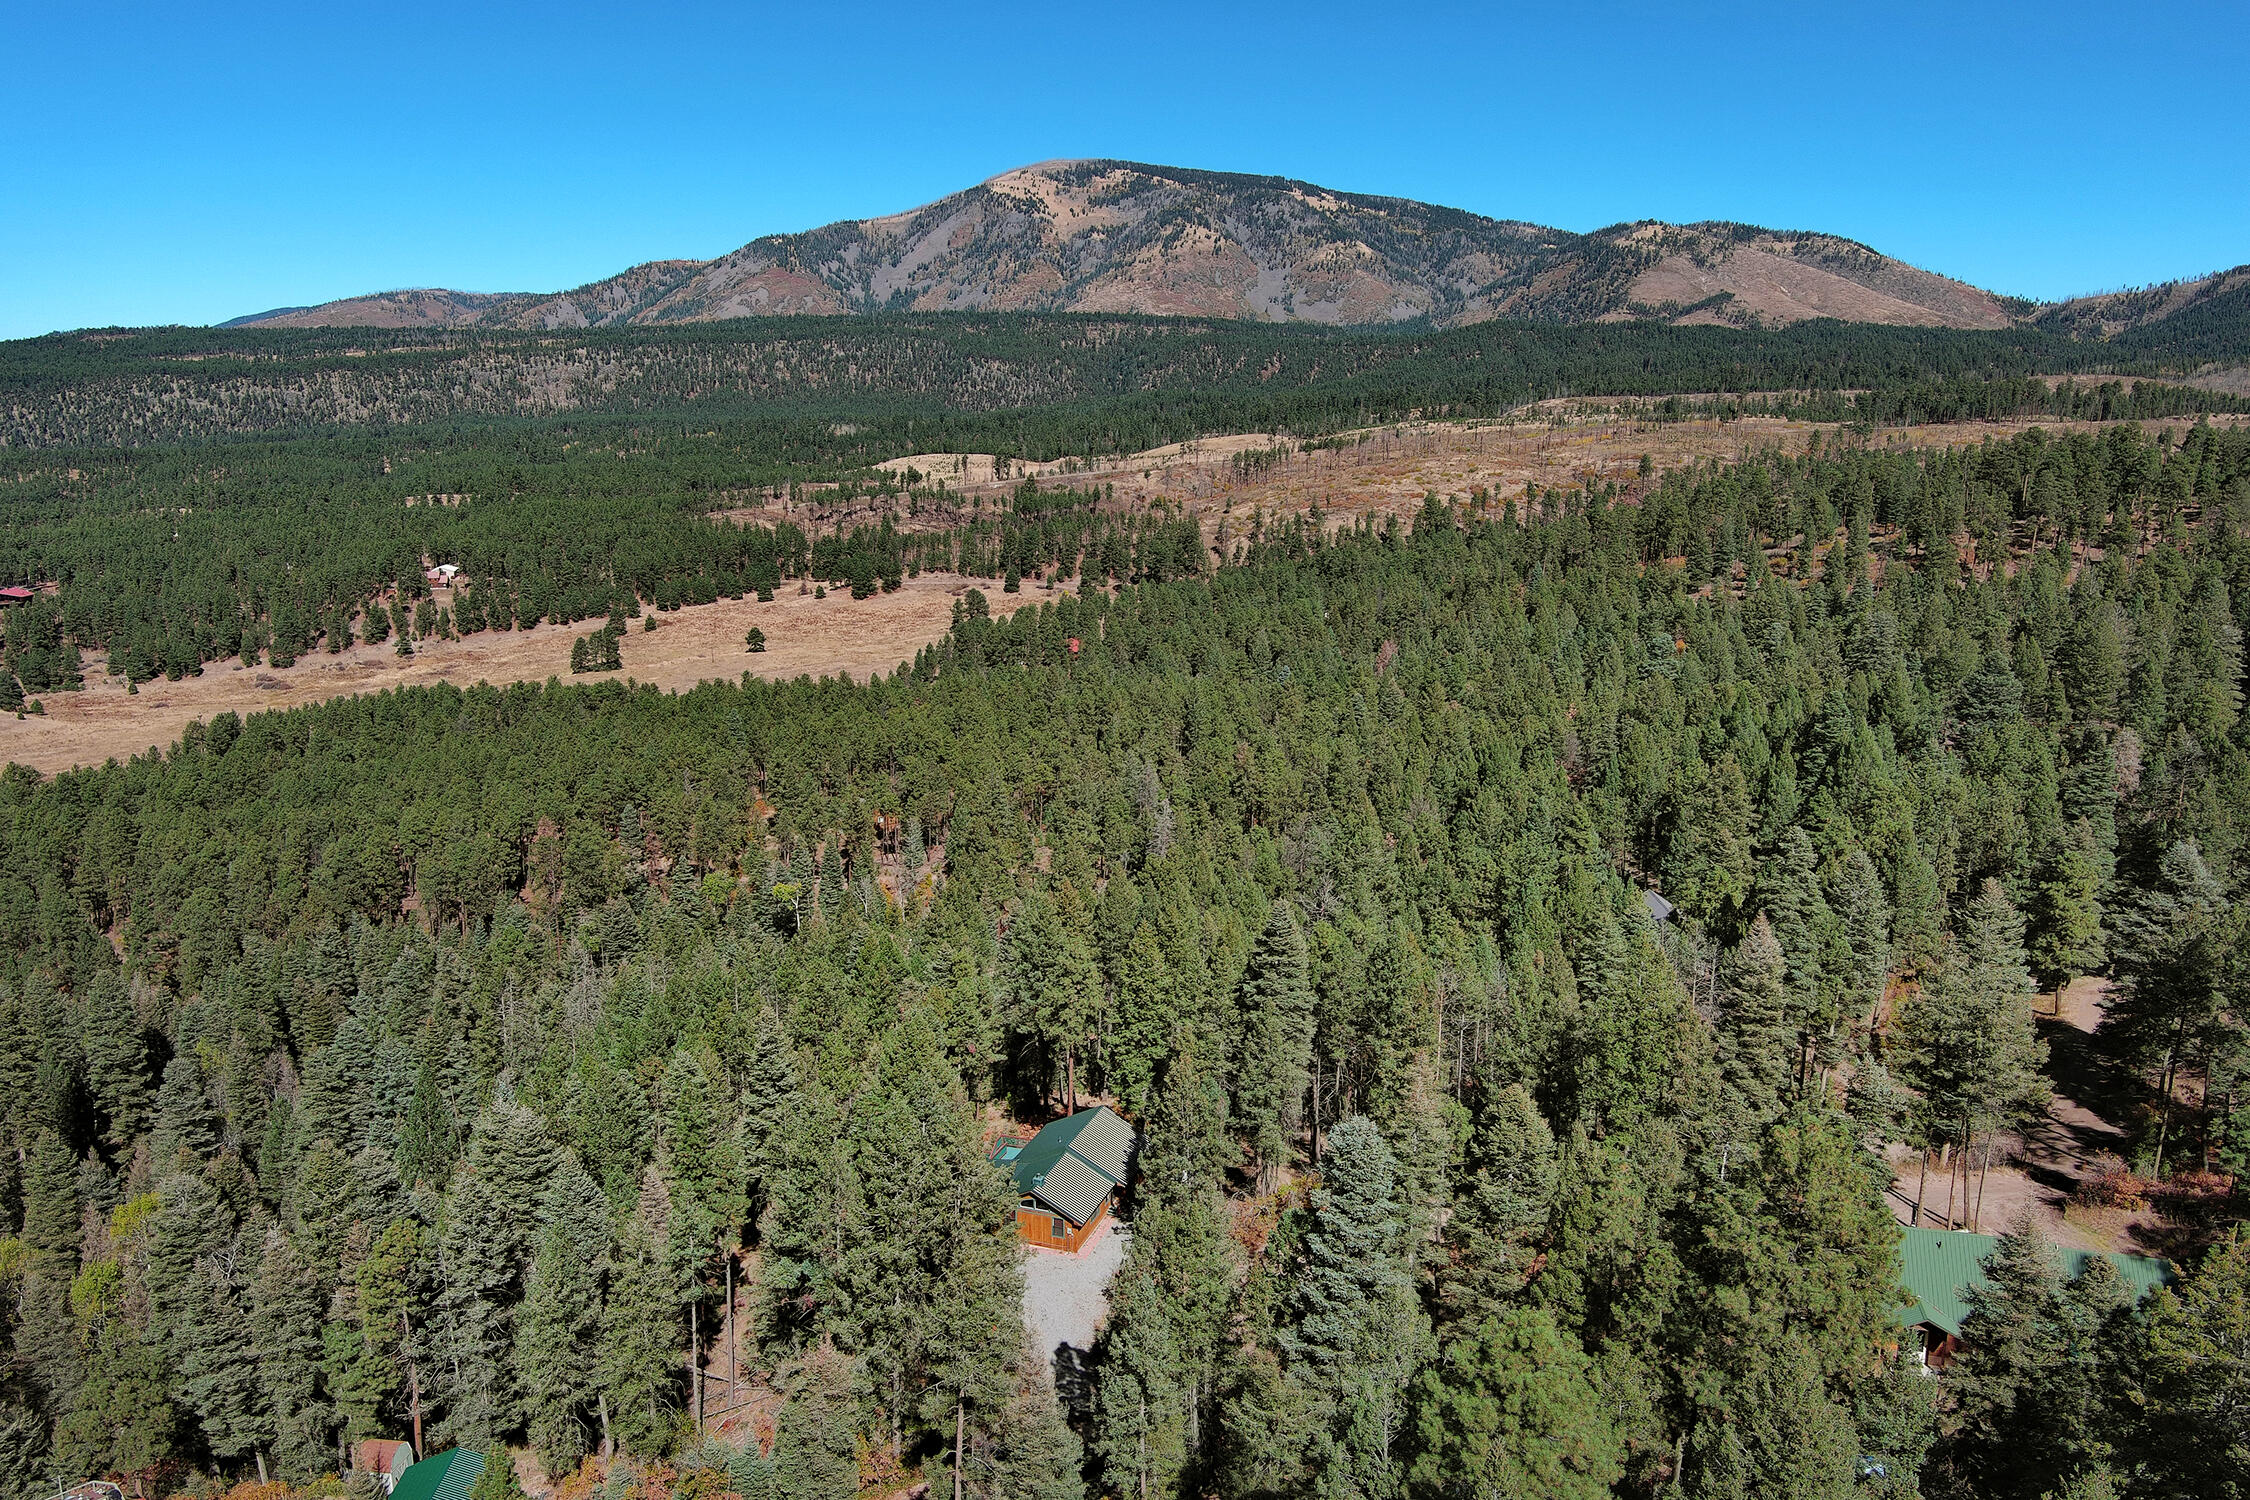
<point x="188" y="163"/>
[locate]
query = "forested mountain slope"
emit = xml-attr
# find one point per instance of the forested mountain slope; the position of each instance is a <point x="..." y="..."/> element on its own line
<point x="1112" y="237"/>
<point x="1030" y="384"/>
<point x="432" y="1057"/>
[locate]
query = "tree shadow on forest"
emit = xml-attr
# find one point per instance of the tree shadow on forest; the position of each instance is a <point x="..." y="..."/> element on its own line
<point x="1074" y="1385"/>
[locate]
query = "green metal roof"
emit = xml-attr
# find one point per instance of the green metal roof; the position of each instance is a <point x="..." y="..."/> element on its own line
<point x="1076" y="1162"/>
<point x="443" y="1476"/>
<point x="1939" y="1266"/>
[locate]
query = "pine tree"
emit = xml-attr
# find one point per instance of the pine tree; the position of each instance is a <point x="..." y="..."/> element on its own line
<point x="750" y="1473"/>
<point x="1188" y="1149"/>
<point x="1864" y="913"/>
<point x="1035" y="1454"/>
<point x="328" y="1101"/>
<point x="1274" y="1059"/>
<point x="285" y="1313"/>
<point x="472" y="1321"/>
<point x="1171" y="1300"/>
<point x="815" y="1202"/>
<point x="2000" y="1387"/>
<point x="769" y="1091"/>
<point x="388" y="1288"/>
<point x="1773" y="1434"/>
<point x="702" y="1182"/>
<point x="640" y="1342"/>
<point x="215" y="1360"/>
<point x="1971" y="1047"/>
<point x="814" y="1457"/>
<point x="192" y="1225"/>
<point x="558" y="1344"/>
<point x="185" y="1121"/>
<point x="2199" y="1380"/>
<point x="1353" y="1331"/>
<point x="430" y="1137"/>
<point x="1709" y="864"/>
<point x="2173" y="949"/>
<point x="124" y="1420"/>
<point x="117" y="1059"/>
<point x="1506" y="1190"/>
<point x="1149" y="1010"/>
<point x="50" y="1203"/>
<point x="1352" y="1250"/>
<point x="1142" y="1408"/>
<point x="975" y="1305"/>
<point x="47" y="1340"/>
<point x="2066" y="912"/>
<point x="928" y="1292"/>
<point x="1513" y="1410"/>
<point x="497" y="1479"/>
<point x="1802" y="926"/>
<point x="1053" y="988"/>
<point x="1754" y="1051"/>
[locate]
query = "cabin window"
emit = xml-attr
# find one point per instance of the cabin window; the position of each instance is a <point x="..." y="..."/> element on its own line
<point x="1061" y="1230"/>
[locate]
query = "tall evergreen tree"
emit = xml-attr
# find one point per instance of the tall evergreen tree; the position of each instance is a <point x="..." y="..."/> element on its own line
<point x="1353" y="1332"/>
<point x="1053" y="987"/>
<point x="2174" y="948"/>
<point x="50" y="1203"/>
<point x="640" y="1342"/>
<point x="1506" y="1189"/>
<point x="813" y="1454"/>
<point x="1513" y="1410"/>
<point x="285" y="1316"/>
<point x="769" y="1089"/>
<point x="117" y="1060"/>
<point x="185" y="1121"/>
<point x="558" y="1347"/>
<point x="2066" y="912"/>
<point x="1754" y="1051"/>
<point x="1273" y="1060"/>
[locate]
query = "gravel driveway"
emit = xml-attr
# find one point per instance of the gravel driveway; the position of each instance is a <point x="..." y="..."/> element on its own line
<point x="1066" y="1297"/>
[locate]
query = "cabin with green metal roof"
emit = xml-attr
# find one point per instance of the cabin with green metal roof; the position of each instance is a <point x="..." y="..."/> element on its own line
<point x="1066" y="1177"/>
<point x="442" y="1476"/>
<point x="1939" y="1267"/>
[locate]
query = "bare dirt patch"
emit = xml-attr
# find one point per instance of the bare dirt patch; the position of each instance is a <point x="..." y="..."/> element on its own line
<point x="2036" y="1174"/>
<point x="838" y="635"/>
<point x="1553" y="445"/>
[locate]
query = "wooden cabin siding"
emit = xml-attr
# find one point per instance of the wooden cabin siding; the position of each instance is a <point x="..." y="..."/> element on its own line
<point x="1051" y="1231"/>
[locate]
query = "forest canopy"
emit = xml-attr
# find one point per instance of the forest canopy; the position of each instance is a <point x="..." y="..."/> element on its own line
<point x="443" y="1059"/>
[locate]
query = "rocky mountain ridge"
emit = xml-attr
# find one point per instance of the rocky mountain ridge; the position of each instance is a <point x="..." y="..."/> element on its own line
<point x="1111" y="236"/>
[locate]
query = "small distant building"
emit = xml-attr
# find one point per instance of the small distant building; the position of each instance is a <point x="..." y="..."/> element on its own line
<point x="16" y="593"/>
<point x="387" y="1459"/>
<point x="1939" y="1267"/>
<point x="1066" y="1176"/>
<point x="443" y="1476"/>
<point x="94" y="1489"/>
<point x="442" y="574"/>
<point x="1659" y="910"/>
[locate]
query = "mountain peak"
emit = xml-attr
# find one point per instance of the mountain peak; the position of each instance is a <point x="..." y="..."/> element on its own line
<point x="1097" y="235"/>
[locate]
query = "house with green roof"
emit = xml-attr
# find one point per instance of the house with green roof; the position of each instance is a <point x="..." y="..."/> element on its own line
<point x="442" y="1476"/>
<point x="1066" y="1177"/>
<point x="1939" y="1267"/>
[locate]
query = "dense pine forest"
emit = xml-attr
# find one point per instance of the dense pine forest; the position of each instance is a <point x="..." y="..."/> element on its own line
<point x="452" y="1061"/>
<point x="196" y="495"/>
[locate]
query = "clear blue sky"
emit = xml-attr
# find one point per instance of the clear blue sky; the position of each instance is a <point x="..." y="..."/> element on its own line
<point x="192" y="162"/>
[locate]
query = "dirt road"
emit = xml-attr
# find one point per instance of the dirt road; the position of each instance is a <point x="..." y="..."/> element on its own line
<point x="2034" y="1172"/>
